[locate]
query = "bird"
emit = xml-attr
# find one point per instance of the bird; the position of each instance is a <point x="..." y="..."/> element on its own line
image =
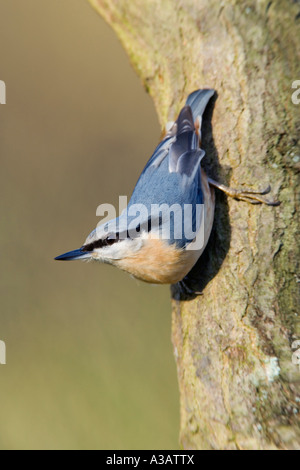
<point x="166" y="226"/>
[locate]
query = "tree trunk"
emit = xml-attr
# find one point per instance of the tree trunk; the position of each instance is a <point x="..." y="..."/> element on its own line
<point x="239" y="388"/>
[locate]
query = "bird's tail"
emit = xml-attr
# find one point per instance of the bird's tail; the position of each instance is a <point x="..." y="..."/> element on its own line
<point x="198" y="101"/>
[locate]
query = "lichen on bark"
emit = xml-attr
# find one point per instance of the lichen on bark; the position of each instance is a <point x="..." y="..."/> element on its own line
<point x="238" y="386"/>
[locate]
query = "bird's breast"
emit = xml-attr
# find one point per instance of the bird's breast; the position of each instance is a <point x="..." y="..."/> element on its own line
<point x="158" y="262"/>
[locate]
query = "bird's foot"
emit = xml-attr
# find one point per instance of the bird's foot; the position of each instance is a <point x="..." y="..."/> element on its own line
<point x="247" y="195"/>
<point x="182" y="291"/>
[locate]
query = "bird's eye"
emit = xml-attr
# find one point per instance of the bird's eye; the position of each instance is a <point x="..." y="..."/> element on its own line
<point x="102" y="243"/>
<point x="110" y="241"/>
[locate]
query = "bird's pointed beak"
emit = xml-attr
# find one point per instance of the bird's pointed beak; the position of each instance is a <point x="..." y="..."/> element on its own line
<point x="73" y="255"/>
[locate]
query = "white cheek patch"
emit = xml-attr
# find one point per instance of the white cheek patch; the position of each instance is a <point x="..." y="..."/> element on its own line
<point x="118" y="250"/>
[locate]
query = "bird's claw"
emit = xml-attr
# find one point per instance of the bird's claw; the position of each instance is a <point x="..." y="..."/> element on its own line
<point x="255" y="197"/>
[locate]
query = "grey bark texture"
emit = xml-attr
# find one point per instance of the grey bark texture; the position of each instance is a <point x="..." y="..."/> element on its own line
<point x="239" y="388"/>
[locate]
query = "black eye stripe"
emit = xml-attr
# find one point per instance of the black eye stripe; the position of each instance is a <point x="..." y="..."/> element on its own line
<point x="102" y="243"/>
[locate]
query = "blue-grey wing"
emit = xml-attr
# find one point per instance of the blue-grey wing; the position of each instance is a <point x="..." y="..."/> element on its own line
<point x="188" y="163"/>
<point x="173" y="173"/>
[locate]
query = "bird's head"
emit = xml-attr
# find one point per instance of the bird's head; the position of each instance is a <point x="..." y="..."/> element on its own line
<point x="108" y="243"/>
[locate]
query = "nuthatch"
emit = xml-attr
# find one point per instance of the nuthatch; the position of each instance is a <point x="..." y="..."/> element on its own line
<point x="159" y="249"/>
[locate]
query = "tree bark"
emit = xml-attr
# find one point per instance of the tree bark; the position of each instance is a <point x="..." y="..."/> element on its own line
<point x="238" y="385"/>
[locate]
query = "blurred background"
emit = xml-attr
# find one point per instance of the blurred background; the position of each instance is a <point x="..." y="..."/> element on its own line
<point x="89" y="354"/>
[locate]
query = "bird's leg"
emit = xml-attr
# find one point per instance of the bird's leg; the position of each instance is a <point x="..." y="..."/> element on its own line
<point x="188" y="290"/>
<point x="248" y="195"/>
<point x="182" y="291"/>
